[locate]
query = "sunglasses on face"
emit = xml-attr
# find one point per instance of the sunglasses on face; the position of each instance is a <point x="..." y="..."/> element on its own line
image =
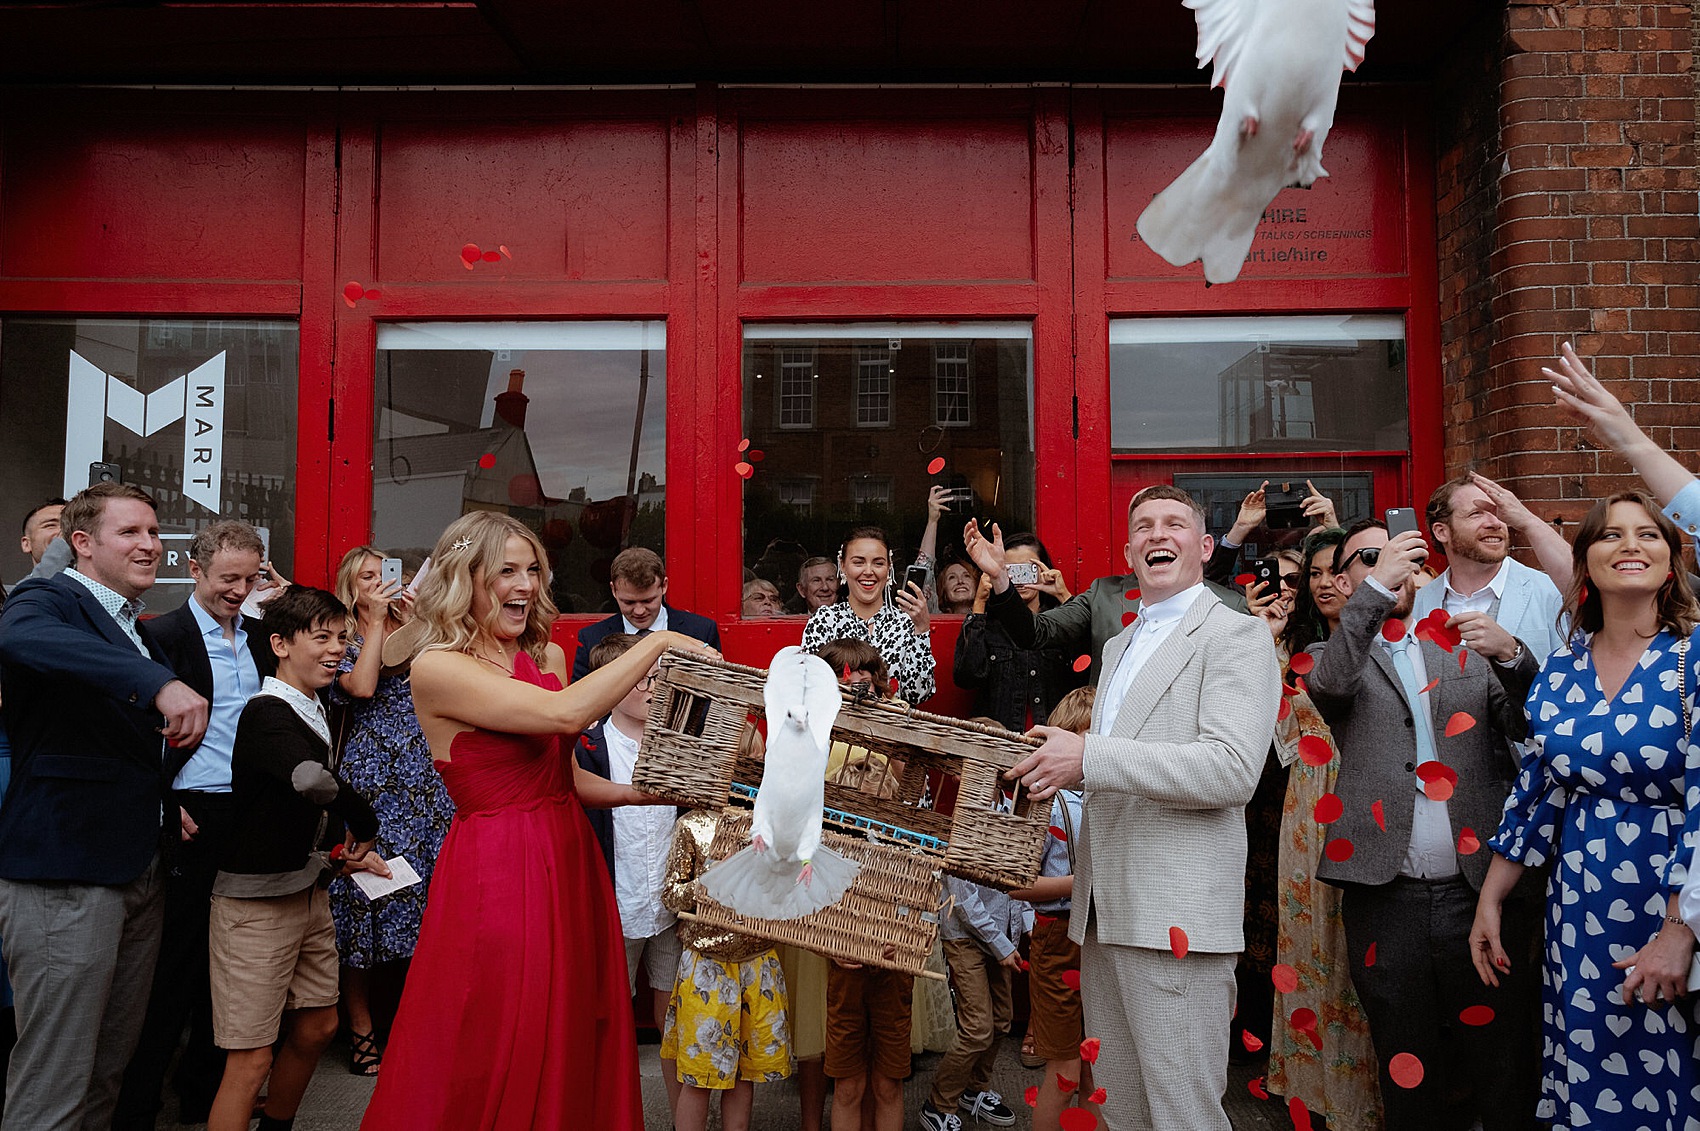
<point x="1369" y="555"/>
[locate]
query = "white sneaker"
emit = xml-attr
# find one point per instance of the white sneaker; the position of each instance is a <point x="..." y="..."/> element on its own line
<point x="933" y="1119"/>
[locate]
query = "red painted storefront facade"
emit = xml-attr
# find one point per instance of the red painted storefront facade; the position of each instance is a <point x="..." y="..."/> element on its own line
<point x="711" y="209"/>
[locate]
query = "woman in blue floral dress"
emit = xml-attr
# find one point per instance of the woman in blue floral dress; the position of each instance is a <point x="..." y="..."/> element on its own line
<point x="386" y="760"/>
<point x="1608" y="795"/>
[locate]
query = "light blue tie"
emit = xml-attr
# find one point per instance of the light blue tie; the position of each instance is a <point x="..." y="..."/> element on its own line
<point x="1414" y="698"/>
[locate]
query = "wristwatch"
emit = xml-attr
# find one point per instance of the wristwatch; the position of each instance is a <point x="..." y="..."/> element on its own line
<point x="1511" y="662"/>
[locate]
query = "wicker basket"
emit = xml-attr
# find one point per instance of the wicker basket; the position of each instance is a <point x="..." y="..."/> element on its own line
<point x="703" y="709"/>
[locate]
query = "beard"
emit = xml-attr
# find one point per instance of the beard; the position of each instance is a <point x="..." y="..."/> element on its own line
<point x="1406" y="601"/>
<point x="1468" y="547"/>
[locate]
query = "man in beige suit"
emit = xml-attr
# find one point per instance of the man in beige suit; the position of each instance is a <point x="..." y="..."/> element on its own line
<point x="1184" y="716"/>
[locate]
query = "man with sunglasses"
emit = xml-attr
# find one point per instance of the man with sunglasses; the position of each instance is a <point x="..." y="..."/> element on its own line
<point x="1424" y="739"/>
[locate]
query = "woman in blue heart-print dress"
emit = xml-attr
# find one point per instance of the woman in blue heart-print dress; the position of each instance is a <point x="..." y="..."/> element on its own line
<point x="1608" y="795"/>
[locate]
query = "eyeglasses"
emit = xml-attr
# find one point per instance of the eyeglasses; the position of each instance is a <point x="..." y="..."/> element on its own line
<point x="1368" y="554"/>
<point x="647" y="682"/>
<point x="1290" y="580"/>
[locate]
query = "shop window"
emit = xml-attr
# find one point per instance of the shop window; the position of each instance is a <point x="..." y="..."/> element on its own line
<point x="806" y="492"/>
<point x="1312" y="383"/>
<point x="199" y="414"/>
<point x="951" y="384"/>
<point x="562" y="425"/>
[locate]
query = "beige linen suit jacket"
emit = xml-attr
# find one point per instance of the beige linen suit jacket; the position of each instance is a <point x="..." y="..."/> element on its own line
<point x="1163" y="842"/>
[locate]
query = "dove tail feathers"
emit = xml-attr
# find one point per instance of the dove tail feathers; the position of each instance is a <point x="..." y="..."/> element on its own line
<point x="1203" y="215"/>
<point x="763" y="886"/>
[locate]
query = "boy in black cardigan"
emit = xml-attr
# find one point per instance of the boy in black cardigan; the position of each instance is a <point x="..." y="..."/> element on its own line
<point x="272" y="943"/>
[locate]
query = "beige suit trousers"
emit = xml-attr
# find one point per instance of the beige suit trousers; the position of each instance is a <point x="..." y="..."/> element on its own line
<point x="1162" y="1023"/>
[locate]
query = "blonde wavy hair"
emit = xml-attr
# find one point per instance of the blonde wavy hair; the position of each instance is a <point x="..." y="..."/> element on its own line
<point x="347" y="583"/>
<point x="443" y="608"/>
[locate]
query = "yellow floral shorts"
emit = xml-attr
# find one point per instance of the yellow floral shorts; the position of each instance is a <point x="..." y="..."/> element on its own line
<point x="727" y="1021"/>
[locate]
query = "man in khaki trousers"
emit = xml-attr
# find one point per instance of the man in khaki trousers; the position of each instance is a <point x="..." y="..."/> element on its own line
<point x="1183" y="720"/>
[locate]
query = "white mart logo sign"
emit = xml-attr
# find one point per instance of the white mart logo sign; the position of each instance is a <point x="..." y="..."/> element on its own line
<point x="197" y="399"/>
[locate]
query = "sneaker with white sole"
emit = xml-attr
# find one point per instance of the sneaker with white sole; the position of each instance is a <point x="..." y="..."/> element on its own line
<point x="932" y="1119"/>
<point x="987" y="1107"/>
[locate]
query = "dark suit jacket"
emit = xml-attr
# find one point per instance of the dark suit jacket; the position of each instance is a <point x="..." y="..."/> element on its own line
<point x="1083" y="623"/>
<point x="592" y="754"/>
<point x="178" y="635"/>
<point x="678" y="620"/>
<point x="1357" y="690"/>
<point x="85" y="800"/>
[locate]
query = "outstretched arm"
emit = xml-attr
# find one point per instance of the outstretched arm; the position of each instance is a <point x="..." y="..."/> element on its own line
<point x="1580" y="393"/>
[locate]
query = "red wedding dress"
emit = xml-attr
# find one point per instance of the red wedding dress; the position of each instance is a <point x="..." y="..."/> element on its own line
<point x="515" y="1014"/>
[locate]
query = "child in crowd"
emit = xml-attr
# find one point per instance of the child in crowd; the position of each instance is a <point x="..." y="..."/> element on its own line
<point x="726" y="1024"/>
<point x="1057" y="1025"/>
<point x="981" y="928"/>
<point x="636" y="841"/>
<point x="273" y="945"/>
<point x="868" y="1009"/>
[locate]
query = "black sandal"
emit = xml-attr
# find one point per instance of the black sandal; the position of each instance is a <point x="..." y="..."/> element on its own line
<point x="364" y="1055"/>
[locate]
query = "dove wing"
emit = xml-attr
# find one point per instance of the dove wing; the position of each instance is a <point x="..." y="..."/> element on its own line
<point x="1222" y="28"/>
<point x="1360" y="26"/>
<point x="821" y="698"/>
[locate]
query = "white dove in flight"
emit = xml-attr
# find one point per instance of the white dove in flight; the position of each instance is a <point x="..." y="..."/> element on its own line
<point x="1279" y="62"/>
<point x="785" y="872"/>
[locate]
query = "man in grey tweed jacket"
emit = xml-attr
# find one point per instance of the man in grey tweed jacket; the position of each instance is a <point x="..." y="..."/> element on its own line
<point x="1183" y="719"/>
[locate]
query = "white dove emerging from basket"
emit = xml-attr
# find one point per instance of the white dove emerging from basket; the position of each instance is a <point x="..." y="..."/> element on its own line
<point x="786" y="872"/>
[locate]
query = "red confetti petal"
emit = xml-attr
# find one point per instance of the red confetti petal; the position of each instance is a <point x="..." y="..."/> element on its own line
<point x="1476" y="1015"/>
<point x="352" y="292"/>
<point x="1129" y="618"/>
<point x="1098" y="1096"/>
<point x="1430" y="685"/>
<point x="1256" y="1088"/>
<point x="1393" y="630"/>
<point x="1043" y="920"/>
<point x="1244" y="579"/>
<point x="1058" y="833"/>
<point x="1339" y="850"/>
<point x="1289" y="691"/>
<point x="1132" y="594"/>
<point x="1369" y="955"/>
<point x="1177" y="942"/>
<point x="1285" y="978"/>
<point x="1081" y="663"/>
<point x="1025" y="965"/>
<point x="1302" y="663"/>
<point x="1031" y="1095"/>
<point x="1089" y="1049"/>
<point x="1303" y="1019"/>
<point x="1077" y="1119"/>
<point x="1283" y="710"/>
<point x="1328" y="809"/>
<point x="1065" y="1085"/>
<point x="1463" y="655"/>
<point x="743" y="469"/>
<point x="936" y="466"/>
<point x="1405" y="1070"/>
<point x="1315" y="751"/>
<point x="471" y="253"/>
<point x="1299" y="1114"/>
<point x="893" y="685"/>
<point x="1375" y="810"/>
<point x="1467" y="842"/>
<point x="1438" y="790"/>
<point x="1313" y="1037"/>
<point x="1436" y="771"/>
<point x="1071" y="979"/>
<point x="374" y="295"/>
<point x="744" y="444"/>
<point x="503" y="248"/>
<point x="492" y="257"/>
<point x="1460" y="722"/>
<point x="1300" y="685"/>
<point x="1250" y="1040"/>
<point x="755" y="455"/>
<point x="487" y="460"/>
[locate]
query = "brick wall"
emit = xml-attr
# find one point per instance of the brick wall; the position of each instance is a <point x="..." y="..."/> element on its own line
<point x="1566" y="198"/>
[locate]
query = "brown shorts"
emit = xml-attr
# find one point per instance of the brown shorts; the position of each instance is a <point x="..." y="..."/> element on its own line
<point x="269" y="955"/>
<point x="1056" y="1025"/>
<point x="867" y="1022"/>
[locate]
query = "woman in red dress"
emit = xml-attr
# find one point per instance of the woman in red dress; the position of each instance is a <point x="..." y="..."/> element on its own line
<point x="515" y="1014"/>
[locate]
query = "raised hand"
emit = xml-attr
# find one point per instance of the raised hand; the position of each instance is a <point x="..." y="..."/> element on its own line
<point x="987" y="553"/>
<point x="1319" y="508"/>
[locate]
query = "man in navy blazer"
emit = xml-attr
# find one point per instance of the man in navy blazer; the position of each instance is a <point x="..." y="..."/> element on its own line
<point x="223" y="658"/>
<point x="87" y="699"/>
<point x="638" y="580"/>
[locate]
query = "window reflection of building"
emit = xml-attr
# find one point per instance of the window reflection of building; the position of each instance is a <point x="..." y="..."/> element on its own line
<point x="797" y="387"/>
<point x="873" y="386"/>
<point x="559" y="425"/>
<point x="951" y="384"/>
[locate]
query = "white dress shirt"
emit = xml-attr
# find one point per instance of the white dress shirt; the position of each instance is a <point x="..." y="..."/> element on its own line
<point x="643" y="836"/>
<point x="1484" y="600"/>
<point x="1155" y="624"/>
<point x="659" y="625"/>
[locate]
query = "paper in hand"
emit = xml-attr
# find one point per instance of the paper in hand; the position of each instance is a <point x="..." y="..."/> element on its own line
<point x="375" y="887"/>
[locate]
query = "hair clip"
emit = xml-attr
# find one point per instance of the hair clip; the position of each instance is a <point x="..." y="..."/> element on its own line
<point x="462" y="544"/>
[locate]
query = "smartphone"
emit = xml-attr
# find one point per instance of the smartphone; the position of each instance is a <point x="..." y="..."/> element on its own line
<point x="1022" y="573"/>
<point x="105" y="473"/>
<point x="1285" y="507"/>
<point x="389" y="572"/>
<point x="917" y="576"/>
<point x="1400" y="520"/>
<point x="1268" y="571"/>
